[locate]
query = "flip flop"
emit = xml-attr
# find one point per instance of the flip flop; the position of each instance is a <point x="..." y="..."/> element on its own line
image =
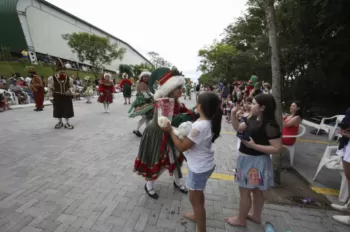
<point x="231" y="222"/>
<point x="269" y="227"/>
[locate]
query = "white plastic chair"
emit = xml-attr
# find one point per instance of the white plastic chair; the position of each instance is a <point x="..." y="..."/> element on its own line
<point x="330" y="129"/>
<point x="13" y="97"/>
<point x="334" y="162"/>
<point x="291" y="149"/>
<point x="29" y="98"/>
<point x="334" y="131"/>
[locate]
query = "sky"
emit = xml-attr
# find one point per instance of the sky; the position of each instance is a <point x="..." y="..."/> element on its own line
<point x="174" y="29"/>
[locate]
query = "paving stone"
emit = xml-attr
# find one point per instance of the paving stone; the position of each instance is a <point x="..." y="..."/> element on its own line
<point x="48" y="225"/>
<point x="91" y="220"/>
<point x="67" y="219"/>
<point x="30" y="229"/>
<point x="102" y="227"/>
<point x="116" y="221"/>
<point x="23" y="223"/>
<point x="87" y="180"/>
<point x="62" y="228"/>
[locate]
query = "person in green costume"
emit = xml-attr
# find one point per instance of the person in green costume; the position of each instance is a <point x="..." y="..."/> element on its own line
<point x="126" y="84"/>
<point x="157" y="151"/>
<point x="188" y="88"/>
<point x="88" y="89"/>
<point x="144" y="104"/>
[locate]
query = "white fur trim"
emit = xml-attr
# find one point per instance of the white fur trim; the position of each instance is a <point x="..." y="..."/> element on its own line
<point x="125" y="75"/>
<point x="144" y="73"/>
<point x="107" y="74"/>
<point x="169" y="86"/>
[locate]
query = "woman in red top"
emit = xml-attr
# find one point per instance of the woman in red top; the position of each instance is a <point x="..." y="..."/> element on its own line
<point x="291" y="123"/>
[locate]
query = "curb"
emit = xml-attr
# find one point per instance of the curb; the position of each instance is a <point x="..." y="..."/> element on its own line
<point x="16" y="107"/>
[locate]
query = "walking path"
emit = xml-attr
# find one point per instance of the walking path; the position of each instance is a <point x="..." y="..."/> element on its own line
<point x="82" y="180"/>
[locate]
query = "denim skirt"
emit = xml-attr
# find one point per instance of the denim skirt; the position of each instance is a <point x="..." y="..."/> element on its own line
<point x="254" y="172"/>
<point x="198" y="181"/>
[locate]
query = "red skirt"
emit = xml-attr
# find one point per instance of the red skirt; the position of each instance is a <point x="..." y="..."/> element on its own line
<point x="107" y="97"/>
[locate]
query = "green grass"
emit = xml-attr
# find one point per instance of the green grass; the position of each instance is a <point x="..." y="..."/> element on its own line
<point x="9" y="68"/>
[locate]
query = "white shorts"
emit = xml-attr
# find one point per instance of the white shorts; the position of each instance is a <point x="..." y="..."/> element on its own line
<point x="345" y="153"/>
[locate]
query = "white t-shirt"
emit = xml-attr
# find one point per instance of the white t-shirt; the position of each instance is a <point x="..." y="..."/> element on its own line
<point x="200" y="158"/>
<point x="28" y="80"/>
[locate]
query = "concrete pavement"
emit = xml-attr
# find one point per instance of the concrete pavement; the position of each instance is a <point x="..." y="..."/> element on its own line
<point x="82" y="180"/>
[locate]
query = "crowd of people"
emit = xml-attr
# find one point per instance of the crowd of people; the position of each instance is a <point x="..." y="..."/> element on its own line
<point x="249" y="107"/>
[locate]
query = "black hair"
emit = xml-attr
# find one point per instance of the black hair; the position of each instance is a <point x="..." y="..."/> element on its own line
<point x="210" y="105"/>
<point x="268" y="101"/>
<point x="254" y="73"/>
<point x="249" y="99"/>
<point x="299" y="112"/>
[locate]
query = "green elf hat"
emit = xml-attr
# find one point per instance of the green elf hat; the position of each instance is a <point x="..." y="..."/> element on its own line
<point x="169" y="79"/>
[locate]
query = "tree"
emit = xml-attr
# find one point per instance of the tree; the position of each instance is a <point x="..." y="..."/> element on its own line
<point x="313" y="46"/>
<point x="96" y="50"/>
<point x="276" y="76"/>
<point x="159" y="61"/>
<point x="143" y="66"/>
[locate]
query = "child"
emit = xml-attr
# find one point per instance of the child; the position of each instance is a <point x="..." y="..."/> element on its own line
<point x="197" y="147"/>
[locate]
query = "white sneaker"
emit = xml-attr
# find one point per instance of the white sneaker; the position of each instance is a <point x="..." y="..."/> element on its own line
<point x="342" y="219"/>
<point x="342" y="208"/>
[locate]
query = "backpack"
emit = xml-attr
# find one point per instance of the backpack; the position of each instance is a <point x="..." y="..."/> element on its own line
<point x="198" y="88"/>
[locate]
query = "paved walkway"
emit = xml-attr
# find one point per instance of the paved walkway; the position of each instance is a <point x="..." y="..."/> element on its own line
<point x="82" y="180"/>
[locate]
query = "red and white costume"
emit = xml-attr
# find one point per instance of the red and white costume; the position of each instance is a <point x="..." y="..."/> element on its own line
<point x="106" y="89"/>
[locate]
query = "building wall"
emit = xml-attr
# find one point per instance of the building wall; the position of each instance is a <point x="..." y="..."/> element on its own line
<point x="38" y="26"/>
<point x="12" y="34"/>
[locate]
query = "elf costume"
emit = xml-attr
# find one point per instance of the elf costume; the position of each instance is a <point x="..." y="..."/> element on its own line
<point x="157" y="151"/>
<point x="126" y="84"/>
<point x="143" y="104"/>
<point x="106" y="89"/>
<point x="88" y="89"/>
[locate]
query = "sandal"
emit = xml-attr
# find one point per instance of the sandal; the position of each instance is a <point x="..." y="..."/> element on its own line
<point x="232" y="221"/>
<point x="59" y="125"/>
<point x="68" y="126"/>
<point x="269" y="227"/>
<point x="154" y="196"/>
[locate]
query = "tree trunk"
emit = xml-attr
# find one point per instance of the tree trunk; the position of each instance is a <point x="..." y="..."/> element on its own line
<point x="276" y="76"/>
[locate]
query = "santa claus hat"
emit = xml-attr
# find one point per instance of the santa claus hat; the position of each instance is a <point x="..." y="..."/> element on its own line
<point x="105" y="75"/>
<point x="145" y="72"/>
<point x="169" y="79"/>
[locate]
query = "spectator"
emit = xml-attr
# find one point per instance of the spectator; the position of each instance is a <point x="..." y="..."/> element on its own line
<point x="256" y="91"/>
<point x="3" y="80"/>
<point x="27" y="90"/>
<point x="18" y="91"/>
<point x="252" y="82"/>
<point x="20" y="81"/>
<point x="28" y="80"/>
<point x="291" y="123"/>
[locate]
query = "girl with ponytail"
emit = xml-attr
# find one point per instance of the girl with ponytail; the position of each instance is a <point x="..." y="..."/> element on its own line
<point x="197" y="147"/>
